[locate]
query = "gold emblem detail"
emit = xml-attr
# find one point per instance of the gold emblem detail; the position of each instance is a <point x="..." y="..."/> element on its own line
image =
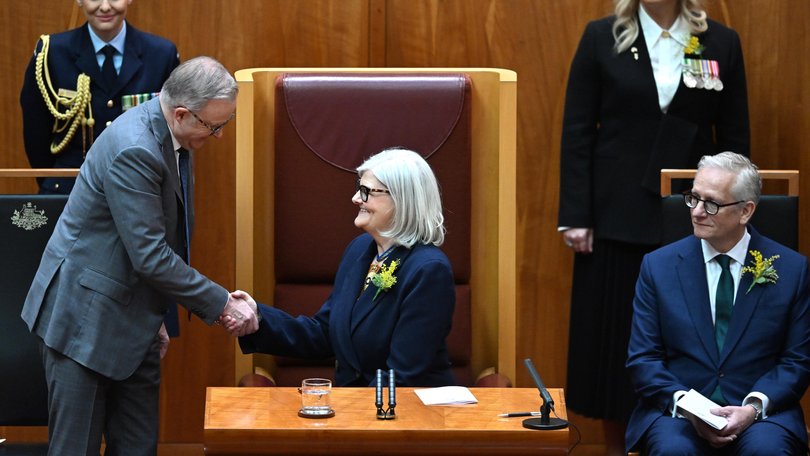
<point x="29" y="217"/>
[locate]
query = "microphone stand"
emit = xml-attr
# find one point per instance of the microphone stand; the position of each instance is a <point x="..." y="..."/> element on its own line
<point x="545" y="422"/>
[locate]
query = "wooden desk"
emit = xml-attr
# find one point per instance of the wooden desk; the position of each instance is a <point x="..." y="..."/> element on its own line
<point x="240" y="421"/>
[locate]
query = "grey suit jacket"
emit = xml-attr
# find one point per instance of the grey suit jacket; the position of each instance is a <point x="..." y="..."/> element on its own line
<point x="110" y="269"/>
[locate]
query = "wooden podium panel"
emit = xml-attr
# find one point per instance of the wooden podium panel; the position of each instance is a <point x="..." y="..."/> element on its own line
<point x="243" y="421"/>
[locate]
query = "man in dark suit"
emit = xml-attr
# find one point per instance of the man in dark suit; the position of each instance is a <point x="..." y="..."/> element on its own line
<point x="628" y="113"/>
<point x="140" y="62"/>
<point x="118" y="259"/>
<point x="703" y="321"/>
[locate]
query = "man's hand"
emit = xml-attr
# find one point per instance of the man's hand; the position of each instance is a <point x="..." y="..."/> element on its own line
<point x="579" y="239"/>
<point x="163" y="337"/>
<point x="240" y="314"/>
<point x="739" y="419"/>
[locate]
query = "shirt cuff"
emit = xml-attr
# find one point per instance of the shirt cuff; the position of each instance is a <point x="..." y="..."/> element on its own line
<point x="754" y="395"/>
<point x="675" y="397"/>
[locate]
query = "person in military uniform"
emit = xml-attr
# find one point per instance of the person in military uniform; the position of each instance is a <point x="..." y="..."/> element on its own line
<point x="80" y="80"/>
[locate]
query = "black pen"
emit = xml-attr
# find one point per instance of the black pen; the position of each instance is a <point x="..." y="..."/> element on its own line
<point x="515" y="414"/>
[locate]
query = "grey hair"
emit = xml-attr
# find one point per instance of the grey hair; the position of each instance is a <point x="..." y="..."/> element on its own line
<point x="196" y="82"/>
<point x="747" y="184"/>
<point x="418" y="217"/>
<point x="625" y="27"/>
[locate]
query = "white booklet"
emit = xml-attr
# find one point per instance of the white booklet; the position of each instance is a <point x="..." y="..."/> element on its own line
<point x="699" y="405"/>
<point x="446" y="395"/>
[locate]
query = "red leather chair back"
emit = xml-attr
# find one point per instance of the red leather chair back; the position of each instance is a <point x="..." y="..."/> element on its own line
<point x="327" y="125"/>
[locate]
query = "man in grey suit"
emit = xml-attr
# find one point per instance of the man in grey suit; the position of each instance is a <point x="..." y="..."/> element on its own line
<point x="117" y="261"/>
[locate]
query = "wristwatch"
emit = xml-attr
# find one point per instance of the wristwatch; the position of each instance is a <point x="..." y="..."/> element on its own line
<point x="758" y="408"/>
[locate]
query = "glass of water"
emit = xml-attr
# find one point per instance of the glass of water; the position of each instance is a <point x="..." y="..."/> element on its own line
<point x="315" y="400"/>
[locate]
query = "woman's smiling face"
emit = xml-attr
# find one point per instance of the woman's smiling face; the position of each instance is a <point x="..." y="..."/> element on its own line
<point x="377" y="213"/>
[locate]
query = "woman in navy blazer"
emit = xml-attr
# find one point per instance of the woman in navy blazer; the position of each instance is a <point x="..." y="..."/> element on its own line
<point x="143" y="62"/>
<point x="371" y="321"/>
<point x="631" y="109"/>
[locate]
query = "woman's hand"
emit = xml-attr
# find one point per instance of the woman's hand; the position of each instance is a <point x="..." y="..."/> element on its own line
<point x="579" y="239"/>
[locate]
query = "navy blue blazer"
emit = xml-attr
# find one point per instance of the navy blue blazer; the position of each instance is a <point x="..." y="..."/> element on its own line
<point x="148" y="61"/>
<point x="672" y="345"/>
<point x="405" y="328"/>
<point x="615" y="139"/>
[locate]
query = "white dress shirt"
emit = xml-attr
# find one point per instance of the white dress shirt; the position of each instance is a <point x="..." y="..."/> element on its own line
<point x="666" y="54"/>
<point x="713" y="270"/>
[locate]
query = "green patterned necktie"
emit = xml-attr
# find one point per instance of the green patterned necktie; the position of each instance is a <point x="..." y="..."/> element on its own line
<point x="723" y="301"/>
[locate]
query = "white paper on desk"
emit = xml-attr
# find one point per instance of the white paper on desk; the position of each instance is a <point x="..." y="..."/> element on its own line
<point x="699" y="405"/>
<point x="446" y="395"/>
<point x="2" y="440"/>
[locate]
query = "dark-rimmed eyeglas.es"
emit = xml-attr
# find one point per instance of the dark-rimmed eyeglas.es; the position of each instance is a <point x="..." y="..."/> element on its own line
<point x="711" y="207"/>
<point x="364" y="191"/>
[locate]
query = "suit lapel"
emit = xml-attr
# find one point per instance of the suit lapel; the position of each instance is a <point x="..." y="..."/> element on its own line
<point x="347" y="298"/>
<point x="367" y="302"/>
<point x="164" y="138"/>
<point x="85" y="58"/>
<point x="132" y="58"/>
<point x="644" y="72"/>
<point x="692" y="277"/>
<point x="744" y="303"/>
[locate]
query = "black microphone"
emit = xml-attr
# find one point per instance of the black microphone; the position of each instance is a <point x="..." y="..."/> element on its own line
<point x="545" y="422"/>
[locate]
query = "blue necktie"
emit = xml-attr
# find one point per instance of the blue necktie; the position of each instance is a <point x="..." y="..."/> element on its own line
<point x="184" y="176"/>
<point x="108" y="67"/>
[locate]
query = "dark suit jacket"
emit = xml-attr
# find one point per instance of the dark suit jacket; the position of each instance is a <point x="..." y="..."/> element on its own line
<point x="111" y="271"/>
<point x="615" y="139"/>
<point x="148" y="61"/>
<point x="403" y="329"/>
<point x="672" y="345"/>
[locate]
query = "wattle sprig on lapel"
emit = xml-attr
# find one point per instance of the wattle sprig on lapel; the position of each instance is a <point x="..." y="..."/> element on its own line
<point x="693" y="47"/>
<point x="385" y="278"/>
<point x="762" y="269"/>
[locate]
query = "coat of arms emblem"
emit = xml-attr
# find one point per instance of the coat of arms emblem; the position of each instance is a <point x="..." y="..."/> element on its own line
<point x="29" y="217"/>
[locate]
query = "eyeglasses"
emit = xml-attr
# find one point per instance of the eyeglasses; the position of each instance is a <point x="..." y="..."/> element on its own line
<point x="711" y="207"/>
<point x="364" y="191"/>
<point x="214" y="128"/>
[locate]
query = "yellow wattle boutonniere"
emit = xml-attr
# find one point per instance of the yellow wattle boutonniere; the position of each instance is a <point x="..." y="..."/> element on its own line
<point x="693" y="46"/>
<point x="385" y="278"/>
<point x="762" y="269"/>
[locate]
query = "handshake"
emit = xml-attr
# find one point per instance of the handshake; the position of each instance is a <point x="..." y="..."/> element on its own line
<point x="241" y="315"/>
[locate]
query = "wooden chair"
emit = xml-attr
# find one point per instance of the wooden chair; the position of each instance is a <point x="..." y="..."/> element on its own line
<point x="312" y="123"/>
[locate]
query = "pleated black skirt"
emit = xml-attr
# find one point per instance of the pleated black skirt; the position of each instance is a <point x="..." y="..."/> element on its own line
<point x="601" y="312"/>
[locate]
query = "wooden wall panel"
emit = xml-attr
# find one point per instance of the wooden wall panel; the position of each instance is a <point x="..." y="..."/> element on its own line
<point x="241" y="34"/>
<point x="536" y="38"/>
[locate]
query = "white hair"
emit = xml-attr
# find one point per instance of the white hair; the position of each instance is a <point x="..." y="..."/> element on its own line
<point x="418" y="217"/>
<point x="625" y="27"/>
<point x="747" y="183"/>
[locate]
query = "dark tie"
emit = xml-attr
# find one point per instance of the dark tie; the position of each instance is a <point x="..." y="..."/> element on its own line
<point x="723" y="301"/>
<point x="108" y="67"/>
<point x="184" y="176"/>
<point x="723" y="304"/>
